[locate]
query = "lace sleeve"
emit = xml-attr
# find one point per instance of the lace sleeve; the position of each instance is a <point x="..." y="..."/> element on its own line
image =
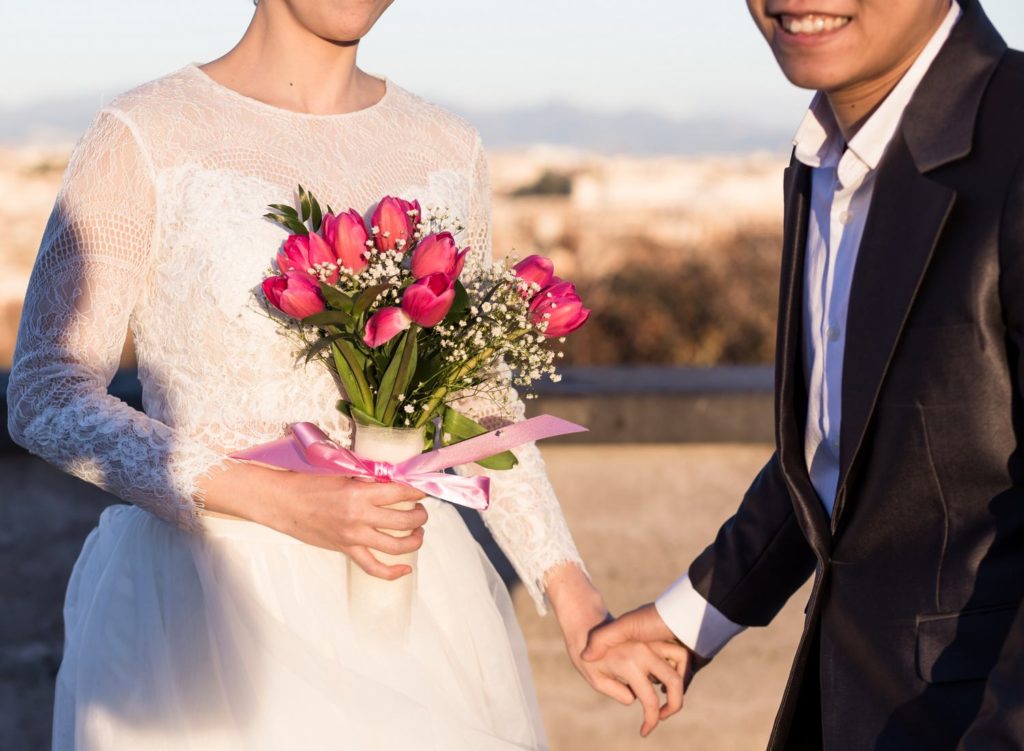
<point x="92" y="266"/>
<point x="525" y="517"/>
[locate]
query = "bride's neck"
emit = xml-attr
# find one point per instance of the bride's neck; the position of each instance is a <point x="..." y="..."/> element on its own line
<point x="280" y="62"/>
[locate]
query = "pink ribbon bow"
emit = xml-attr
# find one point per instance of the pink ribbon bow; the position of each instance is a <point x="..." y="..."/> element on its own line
<point x="308" y="449"/>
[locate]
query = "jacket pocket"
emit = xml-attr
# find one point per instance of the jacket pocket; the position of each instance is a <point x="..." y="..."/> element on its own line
<point x="961" y="646"/>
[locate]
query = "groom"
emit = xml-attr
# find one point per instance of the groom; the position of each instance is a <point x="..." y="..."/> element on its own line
<point x="898" y="476"/>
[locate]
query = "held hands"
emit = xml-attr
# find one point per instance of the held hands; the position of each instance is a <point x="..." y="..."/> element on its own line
<point x="643" y="625"/>
<point x="343" y="514"/>
<point x="636" y="647"/>
<point x="624" y="669"/>
<point x="630" y="671"/>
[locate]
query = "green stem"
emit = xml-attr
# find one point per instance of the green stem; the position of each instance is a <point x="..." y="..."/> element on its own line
<point x="406" y="366"/>
<point x="442" y="391"/>
<point x="357" y="371"/>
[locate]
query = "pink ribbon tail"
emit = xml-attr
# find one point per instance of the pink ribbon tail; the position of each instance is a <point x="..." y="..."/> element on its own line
<point x="309" y="450"/>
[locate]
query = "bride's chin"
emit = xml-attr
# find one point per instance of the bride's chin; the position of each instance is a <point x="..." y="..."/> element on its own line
<point x="342" y="23"/>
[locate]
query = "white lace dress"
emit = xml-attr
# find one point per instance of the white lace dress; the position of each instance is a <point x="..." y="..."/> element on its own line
<point x="197" y="633"/>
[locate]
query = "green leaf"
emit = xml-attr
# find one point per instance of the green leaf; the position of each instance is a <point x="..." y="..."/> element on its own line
<point x="367" y="297"/>
<point x="304" y="206"/>
<point x="335" y="298"/>
<point x="396" y="378"/>
<point x="349" y="379"/>
<point x="285" y="210"/>
<point x="297" y="228"/>
<point x="357" y="357"/>
<point x="292" y="225"/>
<point x="320" y="345"/>
<point x="355" y="362"/>
<point x="428" y="367"/>
<point x="316" y="214"/>
<point x="462" y="428"/>
<point x="459" y="306"/>
<point x="504" y="461"/>
<point x="366" y="419"/>
<point x="350" y="410"/>
<point x="330" y="318"/>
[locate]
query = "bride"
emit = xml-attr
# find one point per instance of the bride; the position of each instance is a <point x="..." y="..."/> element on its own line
<point x="210" y="613"/>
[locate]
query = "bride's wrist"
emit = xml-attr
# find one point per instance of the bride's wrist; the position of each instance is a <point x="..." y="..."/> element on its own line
<point x="577" y="604"/>
<point x="272" y="496"/>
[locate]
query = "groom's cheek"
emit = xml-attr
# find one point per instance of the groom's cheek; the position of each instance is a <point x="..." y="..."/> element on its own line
<point x="759" y="12"/>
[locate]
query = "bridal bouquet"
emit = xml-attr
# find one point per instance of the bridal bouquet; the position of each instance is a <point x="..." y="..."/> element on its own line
<point x="408" y="330"/>
<point x="387" y="308"/>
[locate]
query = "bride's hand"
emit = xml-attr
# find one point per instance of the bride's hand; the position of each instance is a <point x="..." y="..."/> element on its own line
<point x="328" y="511"/>
<point x="636" y="668"/>
<point x="624" y="672"/>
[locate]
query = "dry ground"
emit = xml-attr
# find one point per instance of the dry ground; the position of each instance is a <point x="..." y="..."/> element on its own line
<point x="638" y="529"/>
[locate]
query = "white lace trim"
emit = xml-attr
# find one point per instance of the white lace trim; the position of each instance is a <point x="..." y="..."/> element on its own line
<point x="157" y="228"/>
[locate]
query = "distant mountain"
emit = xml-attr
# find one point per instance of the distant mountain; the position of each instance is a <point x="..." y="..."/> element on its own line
<point x="628" y="132"/>
<point x="52" y="121"/>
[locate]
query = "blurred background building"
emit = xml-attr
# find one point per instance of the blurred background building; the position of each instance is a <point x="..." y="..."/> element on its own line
<point x="638" y="145"/>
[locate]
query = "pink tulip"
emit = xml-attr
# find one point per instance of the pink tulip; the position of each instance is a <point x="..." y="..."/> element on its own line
<point x="307" y="254"/>
<point x="438" y="254"/>
<point x="346" y="234"/>
<point x="295" y="293"/>
<point x="534" y="270"/>
<point x="395" y="220"/>
<point x="428" y="300"/>
<point x="385" y="325"/>
<point x="558" y="310"/>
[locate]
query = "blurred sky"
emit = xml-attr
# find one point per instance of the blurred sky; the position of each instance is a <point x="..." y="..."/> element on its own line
<point x="675" y="57"/>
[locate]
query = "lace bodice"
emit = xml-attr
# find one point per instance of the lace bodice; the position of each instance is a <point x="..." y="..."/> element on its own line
<point x="158" y="227"/>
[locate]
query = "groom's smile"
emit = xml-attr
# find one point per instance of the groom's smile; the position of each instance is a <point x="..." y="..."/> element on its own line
<point x="806" y="26"/>
<point x="836" y="45"/>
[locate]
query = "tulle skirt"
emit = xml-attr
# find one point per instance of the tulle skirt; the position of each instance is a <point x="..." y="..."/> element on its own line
<point x="239" y="639"/>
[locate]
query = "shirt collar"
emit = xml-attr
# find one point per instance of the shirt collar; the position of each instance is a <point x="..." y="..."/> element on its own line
<point x="819" y="142"/>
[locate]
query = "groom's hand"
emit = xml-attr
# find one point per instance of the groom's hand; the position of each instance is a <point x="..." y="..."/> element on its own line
<point x="643" y="624"/>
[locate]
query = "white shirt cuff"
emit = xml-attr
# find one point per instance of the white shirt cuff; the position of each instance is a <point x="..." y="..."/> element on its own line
<point x="694" y="620"/>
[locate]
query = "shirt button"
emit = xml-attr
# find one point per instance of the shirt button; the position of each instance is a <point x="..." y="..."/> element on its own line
<point x="832" y="332"/>
<point x="845" y="217"/>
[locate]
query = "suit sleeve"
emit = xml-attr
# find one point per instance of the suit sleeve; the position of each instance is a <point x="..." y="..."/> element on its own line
<point x="1000" y="722"/>
<point x="758" y="560"/>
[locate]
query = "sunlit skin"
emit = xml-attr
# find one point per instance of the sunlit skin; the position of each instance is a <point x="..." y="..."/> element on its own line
<point x="300" y="55"/>
<point x="859" y="61"/>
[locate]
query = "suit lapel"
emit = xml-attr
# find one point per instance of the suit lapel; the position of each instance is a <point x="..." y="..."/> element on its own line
<point x="908" y="212"/>
<point x="791" y="392"/>
<point x="907" y="215"/>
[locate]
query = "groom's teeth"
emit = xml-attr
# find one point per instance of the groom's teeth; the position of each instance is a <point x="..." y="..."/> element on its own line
<point x="813" y="24"/>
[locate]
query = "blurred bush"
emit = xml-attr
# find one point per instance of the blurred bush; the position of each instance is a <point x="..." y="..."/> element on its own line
<point x="550" y="183"/>
<point x="709" y="306"/>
